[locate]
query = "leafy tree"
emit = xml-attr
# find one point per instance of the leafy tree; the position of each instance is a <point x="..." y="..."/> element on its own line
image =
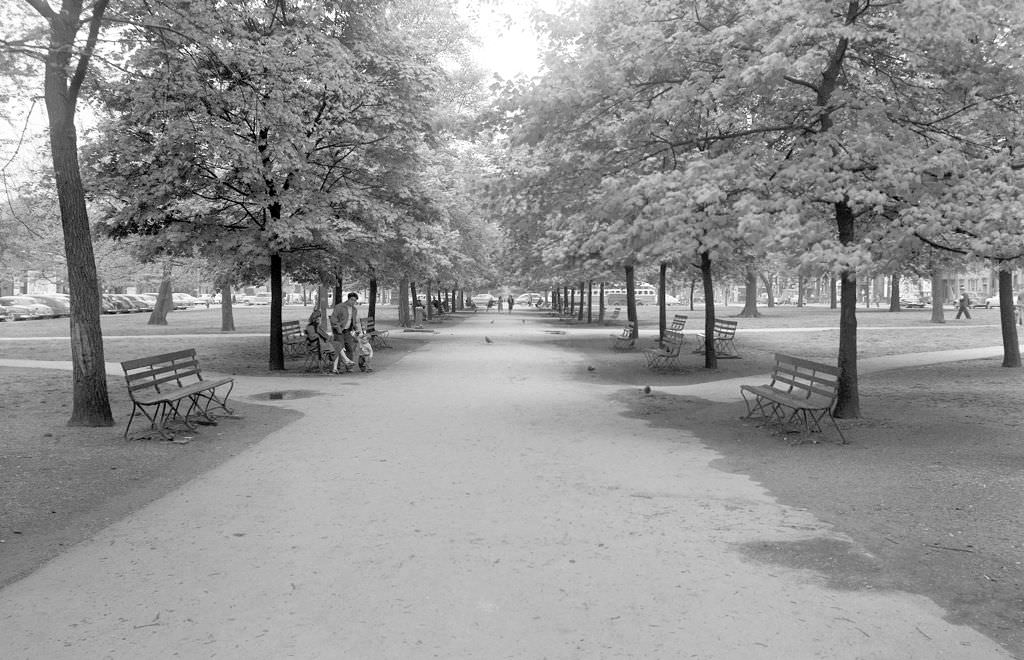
<point x="281" y="136"/>
<point x="65" y="43"/>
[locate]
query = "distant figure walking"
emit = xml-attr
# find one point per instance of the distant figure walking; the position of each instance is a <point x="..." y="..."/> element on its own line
<point x="511" y="302"/>
<point x="1020" y="308"/>
<point x="501" y="303"/>
<point x="963" y="306"/>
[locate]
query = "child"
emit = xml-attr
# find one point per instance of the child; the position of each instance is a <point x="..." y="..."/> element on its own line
<point x="365" y="352"/>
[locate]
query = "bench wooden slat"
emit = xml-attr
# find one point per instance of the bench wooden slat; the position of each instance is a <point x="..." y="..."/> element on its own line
<point x="159" y="385"/>
<point x="800" y="390"/>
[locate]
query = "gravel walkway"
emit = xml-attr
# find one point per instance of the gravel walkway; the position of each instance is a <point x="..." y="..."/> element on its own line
<point x="473" y="500"/>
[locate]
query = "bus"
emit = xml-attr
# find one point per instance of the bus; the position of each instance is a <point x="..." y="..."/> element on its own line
<point x="646" y="294"/>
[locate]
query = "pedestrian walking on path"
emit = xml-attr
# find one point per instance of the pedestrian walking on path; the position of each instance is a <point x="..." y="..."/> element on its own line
<point x="963" y="306"/>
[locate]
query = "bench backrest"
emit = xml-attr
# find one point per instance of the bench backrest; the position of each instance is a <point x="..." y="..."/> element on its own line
<point x="160" y="370"/>
<point x="627" y="330"/>
<point x="291" y="328"/>
<point x="369" y="324"/>
<point x="725" y="329"/>
<point x="806" y="378"/>
<point x="672" y="342"/>
<point x="677" y="326"/>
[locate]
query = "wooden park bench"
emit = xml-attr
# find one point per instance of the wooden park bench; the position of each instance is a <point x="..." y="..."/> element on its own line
<point x="801" y="393"/>
<point x="624" y="340"/>
<point x="675" y="329"/>
<point x="724" y="334"/>
<point x="666" y="354"/>
<point x="171" y="386"/>
<point x="293" y="338"/>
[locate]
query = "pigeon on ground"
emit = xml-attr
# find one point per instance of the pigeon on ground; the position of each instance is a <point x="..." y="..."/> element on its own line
<point x="488" y="339"/>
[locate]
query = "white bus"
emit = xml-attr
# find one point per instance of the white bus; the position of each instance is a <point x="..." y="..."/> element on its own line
<point x="646" y="294"/>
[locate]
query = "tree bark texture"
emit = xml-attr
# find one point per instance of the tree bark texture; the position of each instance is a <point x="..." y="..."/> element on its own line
<point x="848" y="398"/>
<point x="164" y="299"/>
<point x="227" y="309"/>
<point x="276" y="361"/>
<point x="749" y="310"/>
<point x="1007" y="319"/>
<point x="662" y="312"/>
<point x="710" y="357"/>
<point x="90" y="398"/>
<point x="894" y="294"/>
<point x="631" y="299"/>
<point x="371" y="304"/>
<point x="938" y="315"/>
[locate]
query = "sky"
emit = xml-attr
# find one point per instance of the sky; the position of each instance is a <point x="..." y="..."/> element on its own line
<point x="508" y="42"/>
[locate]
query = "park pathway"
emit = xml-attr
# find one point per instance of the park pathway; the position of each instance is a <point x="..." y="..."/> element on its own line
<point x="471" y="500"/>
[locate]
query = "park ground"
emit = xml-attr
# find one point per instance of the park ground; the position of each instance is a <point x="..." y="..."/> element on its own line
<point x="931" y="484"/>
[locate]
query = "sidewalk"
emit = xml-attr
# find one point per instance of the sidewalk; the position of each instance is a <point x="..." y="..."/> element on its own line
<point x="471" y="501"/>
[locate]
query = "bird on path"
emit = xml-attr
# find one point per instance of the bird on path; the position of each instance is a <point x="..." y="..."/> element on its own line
<point x="488" y="339"/>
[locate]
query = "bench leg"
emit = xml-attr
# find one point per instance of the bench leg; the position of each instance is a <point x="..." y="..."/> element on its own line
<point x="202" y="402"/>
<point x="724" y="348"/>
<point x="759" y="406"/>
<point x="163" y="412"/>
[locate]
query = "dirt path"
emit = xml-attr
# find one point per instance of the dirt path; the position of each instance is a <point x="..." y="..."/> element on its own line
<point x="474" y="500"/>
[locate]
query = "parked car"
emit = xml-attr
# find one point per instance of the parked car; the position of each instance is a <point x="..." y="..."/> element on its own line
<point x="141" y="302"/>
<point x="35" y="309"/>
<point x="116" y="304"/>
<point x="994" y="300"/>
<point x="483" y="299"/>
<point x="529" y="299"/>
<point x="60" y="304"/>
<point x="912" y="302"/>
<point x="260" y="299"/>
<point x="183" y="300"/>
<point x="14" y="312"/>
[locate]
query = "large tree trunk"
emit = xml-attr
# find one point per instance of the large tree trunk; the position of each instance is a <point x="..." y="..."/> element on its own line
<point x="938" y="315"/>
<point x="404" y="318"/>
<point x="848" y="398"/>
<point x="61" y="84"/>
<point x="600" y="304"/>
<point x="750" y="299"/>
<point x="590" y="301"/>
<point x="164" y="299"/>
<point x="1007" y="318"/>
<point x="371" y="304"/>
<point x="894" y="293"/>
<point x="583" y="294"/>
<point x="710" y="357"/>
<point x="662" y="311"/>
<point x="631" y="299"/>
<point x="769" y="290"/>
<point x="276" y="341"/>
<point x="227" y="308"/>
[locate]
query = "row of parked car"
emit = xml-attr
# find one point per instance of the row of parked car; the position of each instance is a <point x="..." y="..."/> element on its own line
<point x="55" y="305"/>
